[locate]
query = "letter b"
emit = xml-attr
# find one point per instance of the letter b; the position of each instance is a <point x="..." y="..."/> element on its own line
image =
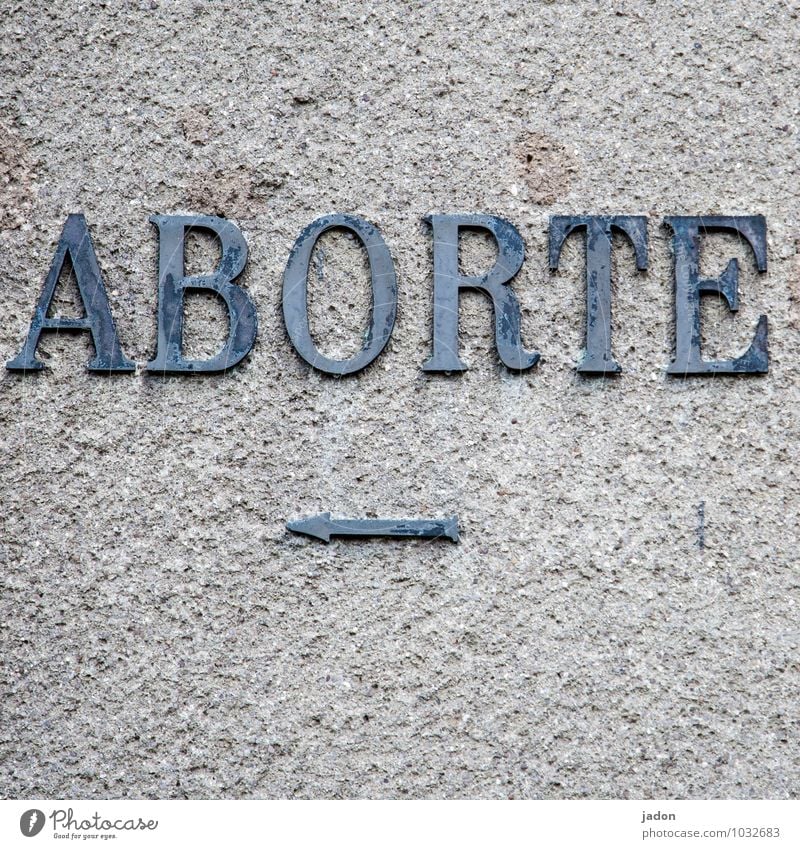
<point x="172" y="284"/>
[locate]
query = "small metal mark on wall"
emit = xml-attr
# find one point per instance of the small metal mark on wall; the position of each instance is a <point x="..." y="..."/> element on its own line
<point x="701" y="525"/>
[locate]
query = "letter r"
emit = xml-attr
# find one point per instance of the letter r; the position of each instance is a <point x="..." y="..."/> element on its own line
<point x="448" y="283"/>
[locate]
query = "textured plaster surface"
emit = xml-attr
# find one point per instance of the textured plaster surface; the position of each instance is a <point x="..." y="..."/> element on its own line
<point x="596" y="632"/>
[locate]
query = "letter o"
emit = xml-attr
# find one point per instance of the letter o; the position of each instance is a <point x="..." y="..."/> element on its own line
<point x="384" y="294"/>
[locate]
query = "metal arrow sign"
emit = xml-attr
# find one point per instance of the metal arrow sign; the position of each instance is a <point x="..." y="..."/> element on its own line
<point x="323" y="527"/>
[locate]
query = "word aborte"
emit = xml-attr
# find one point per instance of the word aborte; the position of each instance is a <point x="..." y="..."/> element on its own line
<point x="448" y="282"/>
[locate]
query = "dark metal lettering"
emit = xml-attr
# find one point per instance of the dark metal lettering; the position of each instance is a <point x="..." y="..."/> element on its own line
<point x="448" y="282"/>
<point x="597" y="357"/>
<point x="76" y="241"/>
<point x="172" y="284"/>
<point x="384" y="294"/>
<point x="689" y="286"/>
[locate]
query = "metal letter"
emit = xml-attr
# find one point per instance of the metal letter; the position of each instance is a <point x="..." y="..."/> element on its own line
<point x="384" y="294"/>
<point x="76" y="241"/>
<point x="689" y="286"/>
<point x="172" y="284"/>
<point x="597" y="357"/>
<point x="447" y="283"/>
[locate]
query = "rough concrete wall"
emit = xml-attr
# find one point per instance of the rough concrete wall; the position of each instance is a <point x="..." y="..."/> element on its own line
<point x="163" y="635"/>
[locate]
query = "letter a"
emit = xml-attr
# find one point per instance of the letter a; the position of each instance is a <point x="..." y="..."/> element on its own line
<point x="76" y="241"/>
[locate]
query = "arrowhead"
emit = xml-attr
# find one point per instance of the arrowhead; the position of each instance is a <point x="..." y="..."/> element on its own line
<point x="314" y="526"/>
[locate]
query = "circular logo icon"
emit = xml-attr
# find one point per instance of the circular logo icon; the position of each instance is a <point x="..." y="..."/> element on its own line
<point x="31" y="822"/>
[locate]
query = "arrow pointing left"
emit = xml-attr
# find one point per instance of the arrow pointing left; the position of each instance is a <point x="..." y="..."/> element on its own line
<point x="323" y="527"/>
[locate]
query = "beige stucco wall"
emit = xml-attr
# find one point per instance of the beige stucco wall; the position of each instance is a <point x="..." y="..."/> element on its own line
<point x="164" y="636"/>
